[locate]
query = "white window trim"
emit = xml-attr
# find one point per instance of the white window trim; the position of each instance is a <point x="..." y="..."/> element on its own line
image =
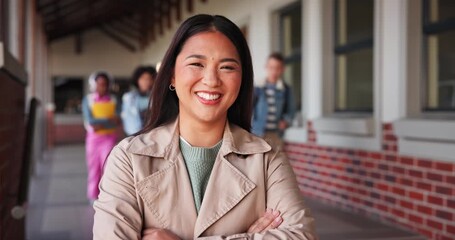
<point x="298" y="132"/>
<point x="426" y="138"/>
<point x="348" y="130"/>
<point x="423" y="129"/>
<point x="296" y="135"/>
<point x="427" y="149"/>
<point x="344" y="141"/>
<point x="349" y="126"/>
<point x="419" y="133"/>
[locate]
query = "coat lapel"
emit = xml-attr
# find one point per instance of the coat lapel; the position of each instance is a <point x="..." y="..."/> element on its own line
<point x="220" y="200"/>
<point x="167" y="192"/>
<point x="227" y="185"/>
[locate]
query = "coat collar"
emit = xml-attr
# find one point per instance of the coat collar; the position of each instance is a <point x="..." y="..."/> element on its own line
<point x="163" y="141"/>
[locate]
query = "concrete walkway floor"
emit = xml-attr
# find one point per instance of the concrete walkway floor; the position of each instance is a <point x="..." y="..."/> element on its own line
<point x="59" y="210"/>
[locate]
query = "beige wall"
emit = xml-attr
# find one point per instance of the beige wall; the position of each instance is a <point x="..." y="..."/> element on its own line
<point x="98" y="52"/>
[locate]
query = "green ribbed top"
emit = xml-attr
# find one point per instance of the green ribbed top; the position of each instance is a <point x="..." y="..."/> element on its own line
<point x="199" y="163"/>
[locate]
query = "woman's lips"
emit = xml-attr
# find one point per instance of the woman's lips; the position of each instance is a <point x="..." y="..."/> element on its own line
<point x="209" y="98"/>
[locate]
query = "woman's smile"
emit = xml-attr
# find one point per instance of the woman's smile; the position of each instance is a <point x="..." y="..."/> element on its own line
<point x="209" y="98"/>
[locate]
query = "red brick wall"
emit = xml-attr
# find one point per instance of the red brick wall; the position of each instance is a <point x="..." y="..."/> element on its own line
<point x="11" y="148"/>
<point x="414" y="193"/>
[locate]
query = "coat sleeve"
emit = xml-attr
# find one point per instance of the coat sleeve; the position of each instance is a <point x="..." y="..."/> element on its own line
<point x="117" y="213"/>
<point x="283" y="194"/>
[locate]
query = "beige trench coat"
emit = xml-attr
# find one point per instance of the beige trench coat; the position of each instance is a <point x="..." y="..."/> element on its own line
<point x="146" y="185"/>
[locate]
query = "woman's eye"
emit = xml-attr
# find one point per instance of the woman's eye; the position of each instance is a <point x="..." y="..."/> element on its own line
<point x="196" y="64"/>
<point x="228" y="67"/>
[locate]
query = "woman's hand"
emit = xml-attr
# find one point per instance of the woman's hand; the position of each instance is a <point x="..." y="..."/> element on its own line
<point x="158" y="234"/>
<point x="270" y="220"/>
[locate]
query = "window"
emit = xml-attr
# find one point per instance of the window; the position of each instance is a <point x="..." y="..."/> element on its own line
<point x="439" y="55"/>
<point x="291" y="45"/>
<point x="353" y="55"/>
<point x="68" y="92"/>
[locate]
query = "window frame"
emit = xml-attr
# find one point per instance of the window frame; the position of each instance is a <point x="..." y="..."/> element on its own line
<point x="359" y="130"/>
<point x="430" y="29"/>
<point x="420" y="133"/>
<point x="296" y="55"/>
<point x="344" y="49"/>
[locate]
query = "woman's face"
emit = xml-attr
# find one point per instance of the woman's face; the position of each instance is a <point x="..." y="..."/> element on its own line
<point x="207" y="77"/>
<point x="102" y="85"/>
<point x="145" y="82"/>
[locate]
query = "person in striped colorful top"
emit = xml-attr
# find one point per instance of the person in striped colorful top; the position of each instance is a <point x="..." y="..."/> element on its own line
<point x="101" y="113"/>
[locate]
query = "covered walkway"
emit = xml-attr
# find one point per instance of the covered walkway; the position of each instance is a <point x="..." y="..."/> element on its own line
<point x="375" y="94"/>
<point x="59" y="210"/>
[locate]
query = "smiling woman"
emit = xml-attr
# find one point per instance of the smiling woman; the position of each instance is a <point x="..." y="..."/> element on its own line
<point x="207" y="81"/>
<point x="196" y="171"/>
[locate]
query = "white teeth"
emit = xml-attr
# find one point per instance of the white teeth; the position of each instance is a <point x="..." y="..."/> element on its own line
<point x="208" y="96"/>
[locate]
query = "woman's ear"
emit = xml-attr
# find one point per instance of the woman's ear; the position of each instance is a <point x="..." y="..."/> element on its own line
<point x="173" y="78"/>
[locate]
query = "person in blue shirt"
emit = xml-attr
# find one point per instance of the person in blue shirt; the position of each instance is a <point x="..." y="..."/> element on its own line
<point x="135" y="103"/>
<point x="274" y="105"/>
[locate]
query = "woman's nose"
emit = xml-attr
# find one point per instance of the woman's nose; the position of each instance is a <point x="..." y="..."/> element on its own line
<point x="211" y="77"/>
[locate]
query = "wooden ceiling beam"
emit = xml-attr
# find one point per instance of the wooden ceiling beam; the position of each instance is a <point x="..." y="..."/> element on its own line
<point x="85" y="23"/>
<point x="118" y="39"/>
<point x="178" y="9"/>
<point x="141" y="20"/>
<point x="79" y="10"/>
<point x="130" y="23"/>
<point x="123" y="31"/>
<point x="62" y="7"/>
<point x="159" y="18"/>
<point x="169" y="15"/>
<point x="40" y="6"/>
<point x="144" y="23"/>
<point x="89" y="8"/>
<point x="189" y="5"/>
<point x="152" y="25"/>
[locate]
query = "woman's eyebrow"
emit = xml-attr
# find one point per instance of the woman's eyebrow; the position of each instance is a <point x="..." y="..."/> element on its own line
<point x="230" y="60"/>
<point x="198" y="56"/>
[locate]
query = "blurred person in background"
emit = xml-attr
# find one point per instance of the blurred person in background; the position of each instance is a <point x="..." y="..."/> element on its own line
<point x="101" y="119"/>
<point x="274" y="106"/>
<point x="135" y="102"/>
<point x="195" y="171"/>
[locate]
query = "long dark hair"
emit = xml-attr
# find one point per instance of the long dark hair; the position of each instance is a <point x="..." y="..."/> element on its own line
<point x="165" y="107"/>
